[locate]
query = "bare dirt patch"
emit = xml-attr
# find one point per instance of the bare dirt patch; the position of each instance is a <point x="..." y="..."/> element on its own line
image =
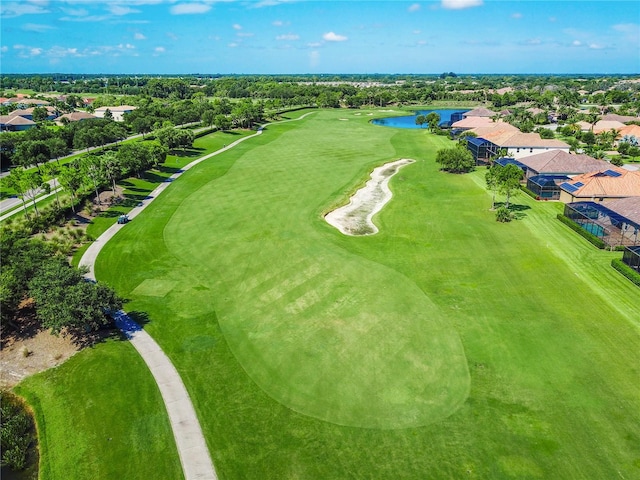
<point x="355" y="218"/>
<point x="27" y="348"/>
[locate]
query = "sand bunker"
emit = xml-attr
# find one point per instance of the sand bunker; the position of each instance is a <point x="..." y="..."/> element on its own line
<point x="355" y="218"/>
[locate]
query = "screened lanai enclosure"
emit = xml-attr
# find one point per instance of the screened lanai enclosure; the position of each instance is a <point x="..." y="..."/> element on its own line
<point x="546" y="187"/>
<point x="631" y="257"/>
<point x="611" y="227"/>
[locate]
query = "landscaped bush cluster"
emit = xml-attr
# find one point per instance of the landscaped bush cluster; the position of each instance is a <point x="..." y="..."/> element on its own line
<point x="577" y="228"/>
<point x="626" y="270"/>
<point x="16" y="432"/>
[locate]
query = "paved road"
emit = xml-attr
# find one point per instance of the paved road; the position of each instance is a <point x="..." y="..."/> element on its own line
<point x="11" y="203"/>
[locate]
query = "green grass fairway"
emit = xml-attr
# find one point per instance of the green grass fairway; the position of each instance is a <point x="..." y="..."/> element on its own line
<point x="100" y="415"/>
<point x="447" y="346"/>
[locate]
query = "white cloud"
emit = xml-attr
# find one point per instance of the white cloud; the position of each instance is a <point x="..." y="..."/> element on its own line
<point x="576" y="43"/>
<point x="159" y="50"/>
<point x="35" y="52"/>
<point x="121" y="10"/>
<point x="237" y="26"/>
<point x="139" y="36"/>
<point x="314" y="45"/>
<point x="460" y="4"/>
<point x="4" y="49"/>
<point x="172" y="36"/>
<point x="75" y="12"/>
<point x="334" y="37"/>
<point x="417" y="32"/>
<point x="516" y="15"/>
<point x="631" y="31"/>
<point x="288" y="37"/>
<point x="189" y="8"/>
<point x="35" y="27"/>
<point x="233" y="45"/>
<point x="414" y="8"/>
<point x="15" y="9"/>
<point x="596" y="46"/>
<point x="280" y="23"/>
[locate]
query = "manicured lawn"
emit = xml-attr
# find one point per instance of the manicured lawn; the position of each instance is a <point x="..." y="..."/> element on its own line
<point x="100" y="415"/>
<point x="447" y="346"/>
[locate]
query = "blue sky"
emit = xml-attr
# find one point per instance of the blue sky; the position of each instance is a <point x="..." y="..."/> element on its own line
<point x="299" y="36"/>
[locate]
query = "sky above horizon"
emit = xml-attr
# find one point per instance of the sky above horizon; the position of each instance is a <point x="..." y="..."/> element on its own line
<point x="305" y="36"/>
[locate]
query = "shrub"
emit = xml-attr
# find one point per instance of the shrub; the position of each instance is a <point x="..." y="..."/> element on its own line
<point x="626" y="270"/>
<point x="577" y="228"/>
<point x="16" y="432"/>
<point x="503" y="215"/>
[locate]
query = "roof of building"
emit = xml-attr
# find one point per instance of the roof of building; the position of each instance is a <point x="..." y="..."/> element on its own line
<point x="118" y="108"/>
<point x="607" y="125"/>
<point x="28" y="101"/>
<point x="472" y="122"/>
<point x="612" y="182"/>
<point x="619" y="118"/>
<point x="631" y="130"/>
<point x="15" y="120"/>
<point x="76" y="116"/>
<point x="524" y="140"/>
<point x="29" y="111"/>
<point x="479" y="112"/>
<point x="628" y="207"/>
<point x="494" y="128"/>
<point x="562" y="162"/>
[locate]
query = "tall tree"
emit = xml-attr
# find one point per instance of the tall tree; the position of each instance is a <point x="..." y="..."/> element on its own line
<point x="71" y="177"/>
<point x="509" y="178"/>
<point x="16" y="180"/>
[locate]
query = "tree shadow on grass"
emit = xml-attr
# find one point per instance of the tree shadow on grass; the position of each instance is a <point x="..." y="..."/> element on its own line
<point x="517" y="210"/>
<point x="188" y="152"/>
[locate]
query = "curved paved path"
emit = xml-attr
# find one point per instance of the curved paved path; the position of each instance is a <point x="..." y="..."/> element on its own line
<point x="192" y="447"/>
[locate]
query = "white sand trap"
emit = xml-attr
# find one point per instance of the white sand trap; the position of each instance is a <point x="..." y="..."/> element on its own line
<point x="343" y="119"/>
<point x="355" y="218"/>
<point x="356" y="114"/>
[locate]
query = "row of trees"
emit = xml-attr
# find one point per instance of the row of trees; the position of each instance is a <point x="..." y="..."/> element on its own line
<point x="62" y="298"/>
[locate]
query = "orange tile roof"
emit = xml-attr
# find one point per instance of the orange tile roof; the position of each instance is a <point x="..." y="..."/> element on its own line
<point x="601" y="184"/>
<point x="479" y="112"/>
<point x="562" y="162"/>
<point x="629" y="130"/>
<point x="472" y="122"/>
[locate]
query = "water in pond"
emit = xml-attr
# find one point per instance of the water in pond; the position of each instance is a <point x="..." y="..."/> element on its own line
<point x="409" y="121"/>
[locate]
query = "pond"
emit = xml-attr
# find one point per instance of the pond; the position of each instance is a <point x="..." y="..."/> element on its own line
<point x="409" y="121"/>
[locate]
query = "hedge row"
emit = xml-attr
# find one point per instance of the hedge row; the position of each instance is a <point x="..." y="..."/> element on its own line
<point x="529" y="192"/>
<point x="577" y="228"/>
<point x="626" y="270"/>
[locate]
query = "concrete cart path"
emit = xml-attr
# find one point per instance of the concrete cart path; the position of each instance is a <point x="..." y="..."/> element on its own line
<point x="192" y="448"/>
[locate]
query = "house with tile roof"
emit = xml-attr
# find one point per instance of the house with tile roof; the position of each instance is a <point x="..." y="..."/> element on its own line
<point x="117" y="112"/>
<point x="15" y="123"/>
<point x="468" y="123"/>
<point x="28" y="113"/>
<point x="598" y="186"/>
<point x="519" y="145"/>
<point x="479" y="112"/>
<point x="74" y="117"/>
<point x="561" y="162"/>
